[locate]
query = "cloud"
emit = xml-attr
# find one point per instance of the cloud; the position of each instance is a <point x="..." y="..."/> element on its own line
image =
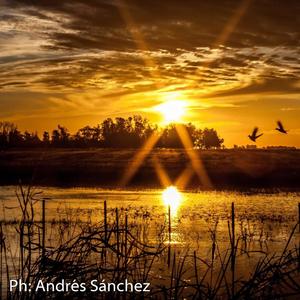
<point x="270" y="86"/>
<point x="163" y="25"/>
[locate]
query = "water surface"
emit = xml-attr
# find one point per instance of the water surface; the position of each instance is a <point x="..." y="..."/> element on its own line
<point x="267" y="216"/>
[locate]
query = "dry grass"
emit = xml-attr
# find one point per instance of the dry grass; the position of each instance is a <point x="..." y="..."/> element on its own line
<point x="104" y="167"/>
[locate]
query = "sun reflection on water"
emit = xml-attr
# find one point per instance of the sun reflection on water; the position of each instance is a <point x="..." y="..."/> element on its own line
<point x="173" y="198"/>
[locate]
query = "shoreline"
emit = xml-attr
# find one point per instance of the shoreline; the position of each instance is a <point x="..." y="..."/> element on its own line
<point x="148" y="190"/>
<point x="228" y="169"/>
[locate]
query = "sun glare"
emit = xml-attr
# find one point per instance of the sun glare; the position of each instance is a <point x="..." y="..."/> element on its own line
<point x="172" y="111"/>
<point x="172" y="197"/>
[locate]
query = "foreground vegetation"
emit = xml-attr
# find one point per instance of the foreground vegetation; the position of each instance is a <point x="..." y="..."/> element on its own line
<point x="116" y="248"/>
<point x="234" y="169"/>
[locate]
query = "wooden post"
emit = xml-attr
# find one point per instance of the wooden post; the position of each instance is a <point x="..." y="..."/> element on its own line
<point x="125" y="246"/>
<point x="118" y="242"/>
<point x="232" y="250"/>
<point x="196" y="269"/>
<point x="105" y="231"/>
<point x="43" y="227"/>
<point x="117" y="230"/>
<point x="170" y="230"/>
<point x="105" y="221"/>
<point x="170" y="239"/>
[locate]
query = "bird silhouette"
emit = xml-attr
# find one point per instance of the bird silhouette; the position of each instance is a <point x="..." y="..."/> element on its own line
<point x="280" y="128"/>
<point x="253" y="137"/>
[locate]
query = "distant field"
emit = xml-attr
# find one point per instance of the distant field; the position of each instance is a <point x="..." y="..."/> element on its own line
<point x="232" y="169"/>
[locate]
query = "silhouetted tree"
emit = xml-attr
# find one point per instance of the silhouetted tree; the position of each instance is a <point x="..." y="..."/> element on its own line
<point x="55" y="138"/>
<point x="171" y="139"/>
<point x="88" y="136"/>
<point x="10" y="136"/>
<point x="46" y="138"/>
<point x="5" y="128"/>
<point x="60" y="137"/>
<point x="131" y="132"/>
<point x="31" y="139"/>
<point x="15" y="138"/>
<point x="64" y="135"/>
<point x="210" y="139"/>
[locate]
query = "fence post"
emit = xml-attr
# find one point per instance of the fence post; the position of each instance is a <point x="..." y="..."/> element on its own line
<point x="232" y="250"/>
<point x="105" y="221"/>
<point x="118" y="242"/>
<point x="169" y="231"/>
<point x="125" y="246"/>
<point x="43" y="227"/>
<point x="169" y="218"/>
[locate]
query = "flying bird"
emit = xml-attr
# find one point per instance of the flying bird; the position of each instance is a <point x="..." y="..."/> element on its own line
<point x="280" y="127"/>
<point x="254" y="135"/>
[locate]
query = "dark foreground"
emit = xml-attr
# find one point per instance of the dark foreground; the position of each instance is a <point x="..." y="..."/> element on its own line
<point x="113" y="256"/>
<point x="233" y="169"/>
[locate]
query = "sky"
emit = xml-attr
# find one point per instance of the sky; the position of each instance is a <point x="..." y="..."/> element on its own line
<point x="235" y="64"/>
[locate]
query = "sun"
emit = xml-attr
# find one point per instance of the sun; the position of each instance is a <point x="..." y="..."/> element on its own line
<point x="172" y="197"/>
<point x="172" y="110"/>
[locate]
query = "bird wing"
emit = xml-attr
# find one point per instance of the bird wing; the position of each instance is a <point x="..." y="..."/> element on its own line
<point x="255" y="131"/>
<point x="280" y="124"/>
<point x="259" y="135"/>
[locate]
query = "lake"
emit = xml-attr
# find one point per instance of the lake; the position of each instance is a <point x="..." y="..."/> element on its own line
<point x="185" y="222"/>
<point x="269" y="215"/>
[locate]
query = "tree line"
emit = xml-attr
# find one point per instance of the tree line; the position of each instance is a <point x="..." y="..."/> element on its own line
<point x="131" y="132"/>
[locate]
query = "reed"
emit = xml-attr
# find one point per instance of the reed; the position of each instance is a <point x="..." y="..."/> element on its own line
<point x="43" y="227"/>
<point x="232" y="250"/>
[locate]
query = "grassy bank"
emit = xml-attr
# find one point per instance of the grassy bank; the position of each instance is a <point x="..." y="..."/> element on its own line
<point x="105" y="167"/>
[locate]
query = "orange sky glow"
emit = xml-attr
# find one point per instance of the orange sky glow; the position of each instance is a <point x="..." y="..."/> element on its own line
<point x="232" y="65"/>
